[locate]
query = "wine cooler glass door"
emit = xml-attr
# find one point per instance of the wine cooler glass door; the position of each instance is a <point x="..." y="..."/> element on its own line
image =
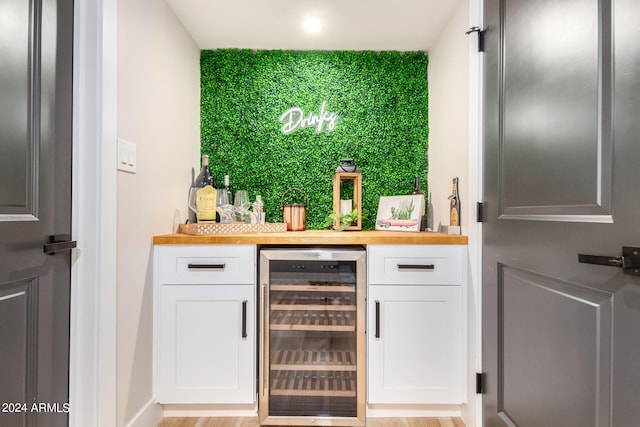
<point x="312" y="338"/>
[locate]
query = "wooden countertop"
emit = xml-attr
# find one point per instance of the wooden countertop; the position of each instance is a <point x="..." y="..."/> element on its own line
<point x="315" y="237"/>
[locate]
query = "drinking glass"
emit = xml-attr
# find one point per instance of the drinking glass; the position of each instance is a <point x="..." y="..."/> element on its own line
<point x="192" y="201"/>
<point x="241" y="203"/>
<point x="224" y="208"/>
<point x="222" y="197"/>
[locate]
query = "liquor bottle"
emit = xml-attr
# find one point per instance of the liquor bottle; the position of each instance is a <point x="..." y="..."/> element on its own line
<point x="417" y="190"/>
<point x="454" y="207"/>
<point x="205" y="193"/>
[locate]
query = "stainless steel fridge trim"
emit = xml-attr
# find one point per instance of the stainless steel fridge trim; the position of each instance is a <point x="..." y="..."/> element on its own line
<point x="263" y="288"/>
<point x="351" y="253"/>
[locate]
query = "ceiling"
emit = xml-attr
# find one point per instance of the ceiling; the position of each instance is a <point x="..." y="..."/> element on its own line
<point x="402" y="25"/>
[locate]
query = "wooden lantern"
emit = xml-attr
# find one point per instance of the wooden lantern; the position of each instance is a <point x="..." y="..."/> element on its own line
<point x="338" y="179"/>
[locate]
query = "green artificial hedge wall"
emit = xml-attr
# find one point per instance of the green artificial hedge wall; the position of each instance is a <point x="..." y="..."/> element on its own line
<point x="381" y="99"/>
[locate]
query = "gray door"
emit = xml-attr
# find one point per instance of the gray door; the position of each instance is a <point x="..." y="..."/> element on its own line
<point x="35" y="203"/>
<point x="561" y="339"/>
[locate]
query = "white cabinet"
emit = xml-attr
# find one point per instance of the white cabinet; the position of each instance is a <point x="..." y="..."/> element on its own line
<point x="205" y="340"/>
<point x="415" y="327"/>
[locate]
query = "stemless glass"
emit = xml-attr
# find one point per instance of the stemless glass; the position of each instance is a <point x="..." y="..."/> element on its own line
<point x="222" y="197"/>
<point x="241" y="202"/>
<point x="224" y="208"/>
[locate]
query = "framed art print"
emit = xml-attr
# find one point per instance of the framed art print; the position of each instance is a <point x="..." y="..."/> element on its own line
<point x="400" y="213"/>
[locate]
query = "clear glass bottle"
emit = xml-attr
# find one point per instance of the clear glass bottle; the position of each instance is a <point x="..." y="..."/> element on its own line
<point x="258" y="210"/>
<point x="205" y="193"/>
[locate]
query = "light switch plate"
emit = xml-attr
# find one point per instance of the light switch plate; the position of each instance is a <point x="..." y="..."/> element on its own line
<point x="126" y="156"/>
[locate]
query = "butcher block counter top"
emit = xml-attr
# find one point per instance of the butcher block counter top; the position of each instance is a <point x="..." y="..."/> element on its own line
<point x="315" y="237"/>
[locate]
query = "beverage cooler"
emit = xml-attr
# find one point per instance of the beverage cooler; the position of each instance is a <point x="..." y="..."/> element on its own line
<point x="312" y="347"/>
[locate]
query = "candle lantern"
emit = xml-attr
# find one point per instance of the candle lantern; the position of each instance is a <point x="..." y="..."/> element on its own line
<point x="347" y="180"/>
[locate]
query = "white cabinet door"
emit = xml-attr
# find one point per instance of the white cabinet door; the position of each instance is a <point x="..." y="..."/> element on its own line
<point x="206" y="344"/>
<point x="415" y="344"/>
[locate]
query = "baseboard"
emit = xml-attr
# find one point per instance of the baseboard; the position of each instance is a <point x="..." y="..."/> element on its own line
<point x="373" y="411"/>
<point x="149" y="416"/>
<point x="410" y="411"/>
<point x="203" y="410"/>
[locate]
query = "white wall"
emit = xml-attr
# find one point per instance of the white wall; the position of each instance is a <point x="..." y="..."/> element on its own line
<point x="454" y="85"/>
<point x="448" y="76"/>
<point x="158" y="110"/>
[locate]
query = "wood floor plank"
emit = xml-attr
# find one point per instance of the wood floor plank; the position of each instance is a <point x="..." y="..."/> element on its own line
<point x="253" y="422"/>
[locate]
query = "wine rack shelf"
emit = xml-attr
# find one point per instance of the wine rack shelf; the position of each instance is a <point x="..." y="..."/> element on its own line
<point x="313" y="383"/>
<point x="304" y="301"/>
<point x="313" y="288"/>
<point x="308" y="360"/>
<point x="292" y="320"/>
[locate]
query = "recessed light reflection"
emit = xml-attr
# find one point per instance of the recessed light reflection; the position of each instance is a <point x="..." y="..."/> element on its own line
<point x="312" y="25"/>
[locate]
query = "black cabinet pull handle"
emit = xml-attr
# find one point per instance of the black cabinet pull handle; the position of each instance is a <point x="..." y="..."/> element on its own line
<point x="429" y="267"/>
<point x="60" y="243"/>
<point x="206" y="266"/>
<point x="377" y="319"/>
<point x="244" y="319"/>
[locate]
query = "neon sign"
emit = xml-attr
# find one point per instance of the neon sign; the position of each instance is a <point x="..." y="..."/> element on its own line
<point x="294" y="118"/>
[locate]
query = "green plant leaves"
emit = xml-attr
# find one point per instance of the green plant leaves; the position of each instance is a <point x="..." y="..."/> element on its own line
<point x="381" y="99"/>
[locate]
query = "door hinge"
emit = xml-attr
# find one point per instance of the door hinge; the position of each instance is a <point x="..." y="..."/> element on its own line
<point x="480" y="212"/>
<point x="480" y="377"/>
<point x="480" y="37"/>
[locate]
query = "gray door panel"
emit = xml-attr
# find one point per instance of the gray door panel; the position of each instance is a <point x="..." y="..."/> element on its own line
<point x="562" y="166"/>
<point x="36" y="45"/>
<point x="17" y="103"/>
<point x="555" y="114"/>
<point x="18" y="336"/>
<point x="535" y="365"/>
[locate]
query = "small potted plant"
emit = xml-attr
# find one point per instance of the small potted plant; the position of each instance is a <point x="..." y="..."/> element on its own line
<point x="345" y="220"/>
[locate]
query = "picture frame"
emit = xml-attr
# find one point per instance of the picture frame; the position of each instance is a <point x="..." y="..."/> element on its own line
<point x="400" y="213"/>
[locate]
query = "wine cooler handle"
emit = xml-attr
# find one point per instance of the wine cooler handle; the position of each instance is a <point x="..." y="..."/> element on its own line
<point x="263" y="295"/>
<point x="377" y="319"/>
<point x="244" y="318"/>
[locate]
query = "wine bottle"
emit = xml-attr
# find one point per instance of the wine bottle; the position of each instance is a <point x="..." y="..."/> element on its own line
<point x="454" y="205"/>
<point x="429" y="226"/>
<point x="228" y="188"/>
<point x="205" y="193"/>
<point x="417" y="190"/>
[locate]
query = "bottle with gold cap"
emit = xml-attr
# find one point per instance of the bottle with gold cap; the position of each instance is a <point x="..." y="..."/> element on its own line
<point x="454" y="205"/>
<point x="205" y="193"/>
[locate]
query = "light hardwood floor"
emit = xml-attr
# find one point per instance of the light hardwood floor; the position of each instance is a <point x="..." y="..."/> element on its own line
<point x="253" y="422"/>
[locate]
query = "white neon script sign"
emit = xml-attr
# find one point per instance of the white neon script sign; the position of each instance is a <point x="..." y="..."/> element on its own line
<point x="294" y="118"/>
